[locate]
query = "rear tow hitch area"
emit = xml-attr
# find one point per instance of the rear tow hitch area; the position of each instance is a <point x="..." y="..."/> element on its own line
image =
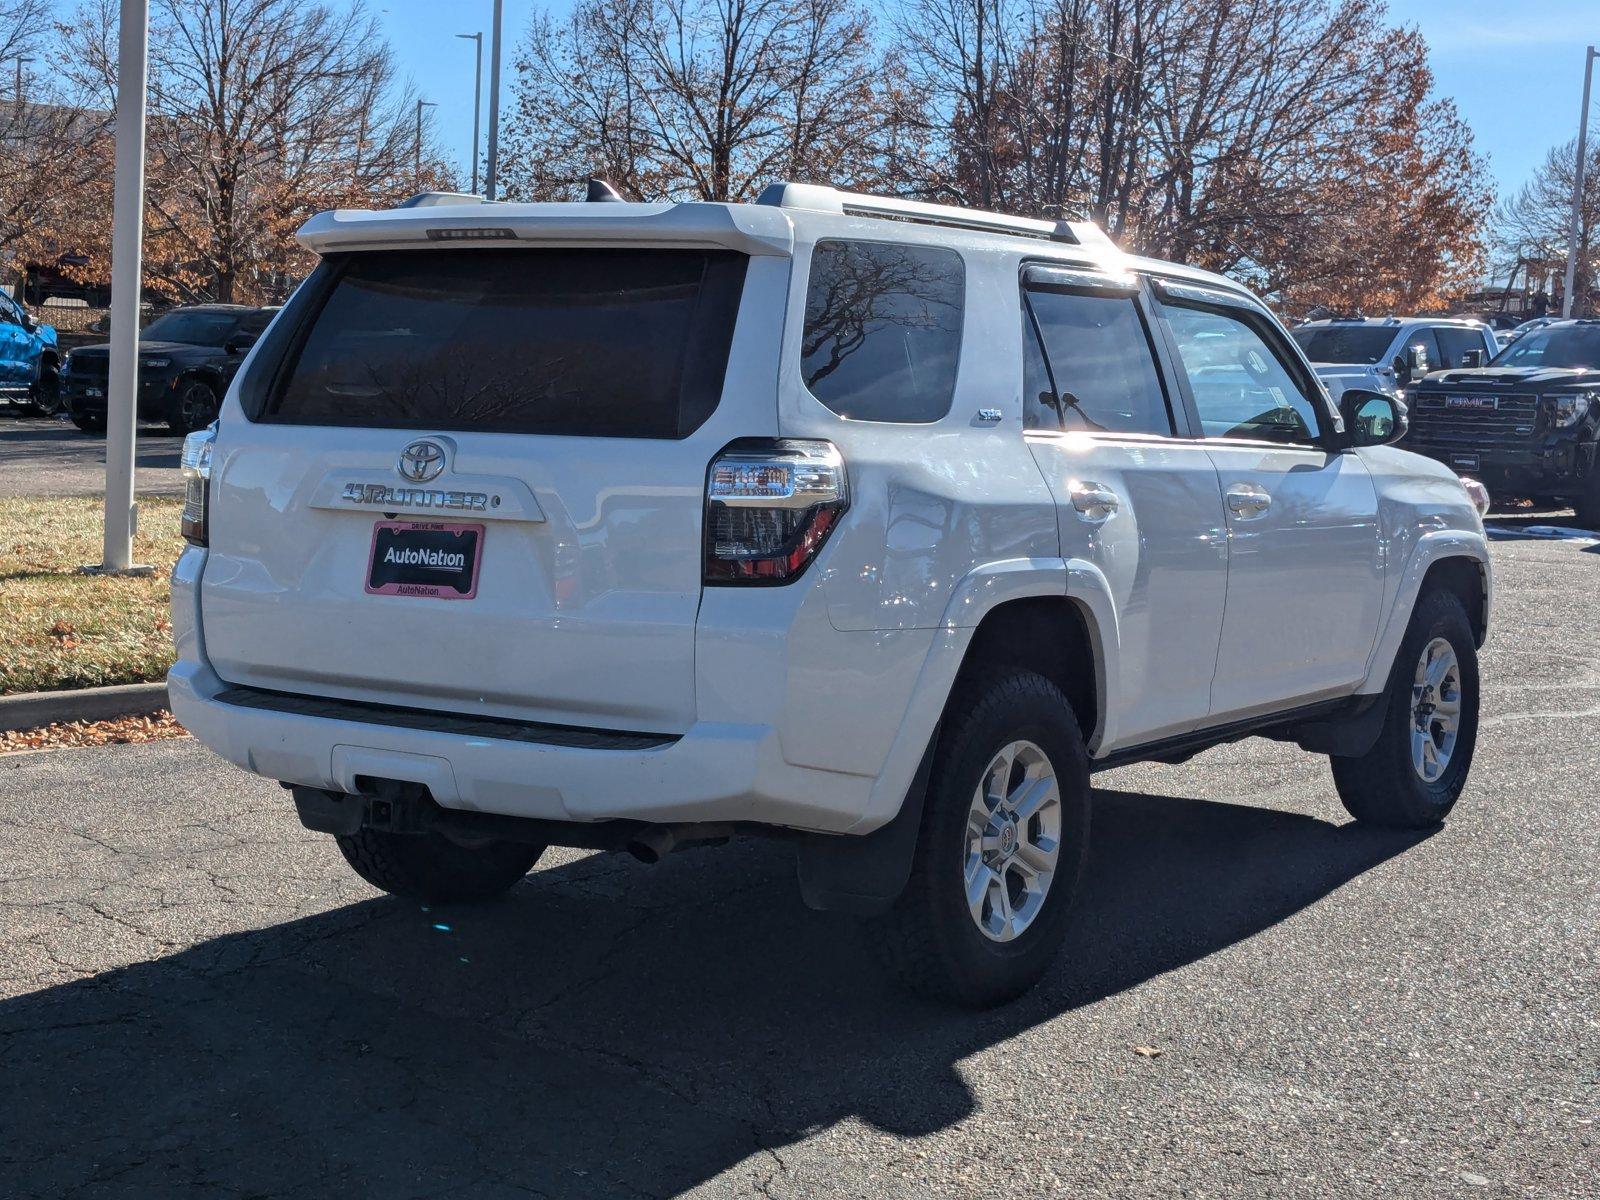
<point x="397" y="806"/>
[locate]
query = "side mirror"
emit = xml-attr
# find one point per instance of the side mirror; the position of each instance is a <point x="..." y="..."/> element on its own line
<point x="1372" y="418"/>
<point x="240" y="342"/>
<point x="1472" y="358"/>
<point x="1417" y="360"/>
<point x="28" y="323"/>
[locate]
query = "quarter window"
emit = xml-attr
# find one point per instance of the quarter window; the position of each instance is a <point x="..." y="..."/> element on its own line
<point x="1242" y="387"/>
<point x="1099" y="374"/>
<point x="883" y="329"/>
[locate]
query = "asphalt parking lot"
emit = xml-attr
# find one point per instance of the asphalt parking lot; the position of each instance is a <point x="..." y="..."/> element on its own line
<point x="197" y="998"/>
<point x="41" y="457"/>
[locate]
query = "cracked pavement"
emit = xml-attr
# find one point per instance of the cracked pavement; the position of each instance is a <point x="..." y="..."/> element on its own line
<point x="198" y="998"/>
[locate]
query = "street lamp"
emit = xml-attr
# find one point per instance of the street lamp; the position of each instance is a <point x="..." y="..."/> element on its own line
<point x="20" y="61"/>
<point x="1577" y="185"/>
<point x="477" y="101"/>
<point x="494" y="104"/>
<point x="127" y="235"/>
<point x="421" y="104"/>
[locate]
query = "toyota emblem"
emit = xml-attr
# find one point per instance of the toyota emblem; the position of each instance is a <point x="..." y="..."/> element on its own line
<point x="421" y="461"/>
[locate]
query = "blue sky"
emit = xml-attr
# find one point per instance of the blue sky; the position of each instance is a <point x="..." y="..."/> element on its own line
<point x="1514" y="70"/>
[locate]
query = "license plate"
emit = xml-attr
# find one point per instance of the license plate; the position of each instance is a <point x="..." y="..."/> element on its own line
<point x="1473" y="403"/>
<point x="1469" y="461"/>
<point x="94" y="392"/>
<point x="425" y="558"/>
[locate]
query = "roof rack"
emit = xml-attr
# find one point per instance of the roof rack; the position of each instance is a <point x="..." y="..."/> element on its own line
<point x="433" y="199"/>
<point x="817" y="198"/>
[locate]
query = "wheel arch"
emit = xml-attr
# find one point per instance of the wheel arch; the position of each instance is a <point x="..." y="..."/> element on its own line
<point x="1454" y="559"/>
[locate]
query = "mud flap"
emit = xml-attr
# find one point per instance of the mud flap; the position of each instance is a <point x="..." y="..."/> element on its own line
<point x="865" y="875"/>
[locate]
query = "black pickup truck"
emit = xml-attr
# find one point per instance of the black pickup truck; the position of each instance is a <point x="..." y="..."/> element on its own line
<point x="1526" y="425"/>
<point x="187" y="358"/>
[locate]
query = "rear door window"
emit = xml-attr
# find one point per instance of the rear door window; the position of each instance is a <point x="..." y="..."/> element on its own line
<point x="582" y="342"/>
<point x="1454" y="343"/>
<point x="1099" y="372"/>
<point x="882" y="333"/>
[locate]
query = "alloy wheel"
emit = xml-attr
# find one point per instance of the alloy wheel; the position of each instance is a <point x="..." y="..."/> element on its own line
<point x="1013" y="841"/>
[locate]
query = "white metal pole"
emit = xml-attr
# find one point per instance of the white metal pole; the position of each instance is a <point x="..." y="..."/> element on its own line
<point x="1577" y="186"/>
<point x="477" y="101"/>
<point x="127" y="231"/>
<point x="494" y="102"/>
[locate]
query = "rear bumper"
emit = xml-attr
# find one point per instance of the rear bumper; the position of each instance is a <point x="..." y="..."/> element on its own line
<point x="772" y="746"/>
<point x="715" y="772"/>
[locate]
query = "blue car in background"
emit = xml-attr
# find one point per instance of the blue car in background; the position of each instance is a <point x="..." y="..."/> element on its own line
<point x="30" y="364"/>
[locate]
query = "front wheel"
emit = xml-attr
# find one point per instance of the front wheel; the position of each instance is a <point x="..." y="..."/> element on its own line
<point x="428" y="866"/>
<point x="1001" y="848"/>
<point x="89" y="424"/>
<point x="44" y="397"/>
<point x="1415" y="771"/>
<point x="193" y="407"/>
<point x="1587" y="502"/>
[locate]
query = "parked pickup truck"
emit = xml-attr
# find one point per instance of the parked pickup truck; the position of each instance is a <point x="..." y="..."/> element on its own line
<point x="30" y="373"/>
<point x="1528" y="424"/>
<point x="1386" y="354"/>
<point x="869" y="525"/>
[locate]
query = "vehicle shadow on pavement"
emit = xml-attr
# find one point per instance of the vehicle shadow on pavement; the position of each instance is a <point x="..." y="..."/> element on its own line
<point x="611" y="1029"/>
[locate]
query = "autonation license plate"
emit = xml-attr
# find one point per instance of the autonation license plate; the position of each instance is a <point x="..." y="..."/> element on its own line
<point x="425" y="558"/>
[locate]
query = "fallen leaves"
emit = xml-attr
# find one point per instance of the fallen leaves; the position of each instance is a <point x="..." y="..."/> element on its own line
<point x="1148" y="1051"/>
<point x="122" y="731"/>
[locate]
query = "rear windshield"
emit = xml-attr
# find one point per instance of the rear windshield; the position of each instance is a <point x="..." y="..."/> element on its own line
<point x="1352" y="344"/>
<point x="589" y="342"/>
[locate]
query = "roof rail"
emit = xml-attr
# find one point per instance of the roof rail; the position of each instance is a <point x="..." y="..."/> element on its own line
<point x="817" y="198"/>
<point x="433" y="199"/>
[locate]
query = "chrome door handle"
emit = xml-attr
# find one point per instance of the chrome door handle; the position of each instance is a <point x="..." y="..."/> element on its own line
<point x="1248" y="500"/>
<point x="1095" y="502"/>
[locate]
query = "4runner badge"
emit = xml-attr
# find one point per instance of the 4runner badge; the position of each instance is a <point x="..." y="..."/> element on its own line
<point x="421" y="461"/>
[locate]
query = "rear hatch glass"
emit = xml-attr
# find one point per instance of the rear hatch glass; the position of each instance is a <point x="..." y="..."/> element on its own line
<point x="590" y="342"/>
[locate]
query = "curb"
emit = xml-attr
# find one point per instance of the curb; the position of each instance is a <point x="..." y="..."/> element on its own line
<point x="30" y="710"/>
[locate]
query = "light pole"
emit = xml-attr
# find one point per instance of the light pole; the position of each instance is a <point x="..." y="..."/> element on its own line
<point x="421" y="104"/>
<point x="1577" y="185"/>
<point x="127" y="234"/>
<point x="20" y="61"/>
<point x="494" y="102"/>
<point x="477" y="101"/>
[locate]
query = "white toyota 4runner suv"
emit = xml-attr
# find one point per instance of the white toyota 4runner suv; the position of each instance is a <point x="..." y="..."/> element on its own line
<point x="872" y="525"/>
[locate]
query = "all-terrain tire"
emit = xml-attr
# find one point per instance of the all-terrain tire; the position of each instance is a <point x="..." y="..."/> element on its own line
<point x="426" y="866"/>
<point x="931" y="938"/>
<point x="1587" y="502"/>
<point x="193" y="407"/>
<point x="1383" y="786"/>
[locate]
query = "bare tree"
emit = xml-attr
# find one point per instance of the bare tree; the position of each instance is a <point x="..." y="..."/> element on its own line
<point x="1533" y="225"/>
<point x="261" y="113"/>
<point x="694" y="98"/>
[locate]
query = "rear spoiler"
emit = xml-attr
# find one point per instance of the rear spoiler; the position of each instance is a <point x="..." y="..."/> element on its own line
<point x="470" y="220"/>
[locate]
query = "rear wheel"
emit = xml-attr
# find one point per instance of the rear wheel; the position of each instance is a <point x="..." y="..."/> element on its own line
<point x="1414" y="773"/>
<point x="1001" y="848"/>
<point x="426" y="866"/>
<point x="90" y="423"/>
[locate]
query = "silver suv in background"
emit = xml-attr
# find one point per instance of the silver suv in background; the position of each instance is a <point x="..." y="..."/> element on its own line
<point x="1385" y="354"/>
<point x="869" y="525"/>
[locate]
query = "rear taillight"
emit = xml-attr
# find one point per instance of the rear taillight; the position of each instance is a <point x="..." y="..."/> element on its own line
<point x="196" y="467"/>
<point x="769" y="508"/>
